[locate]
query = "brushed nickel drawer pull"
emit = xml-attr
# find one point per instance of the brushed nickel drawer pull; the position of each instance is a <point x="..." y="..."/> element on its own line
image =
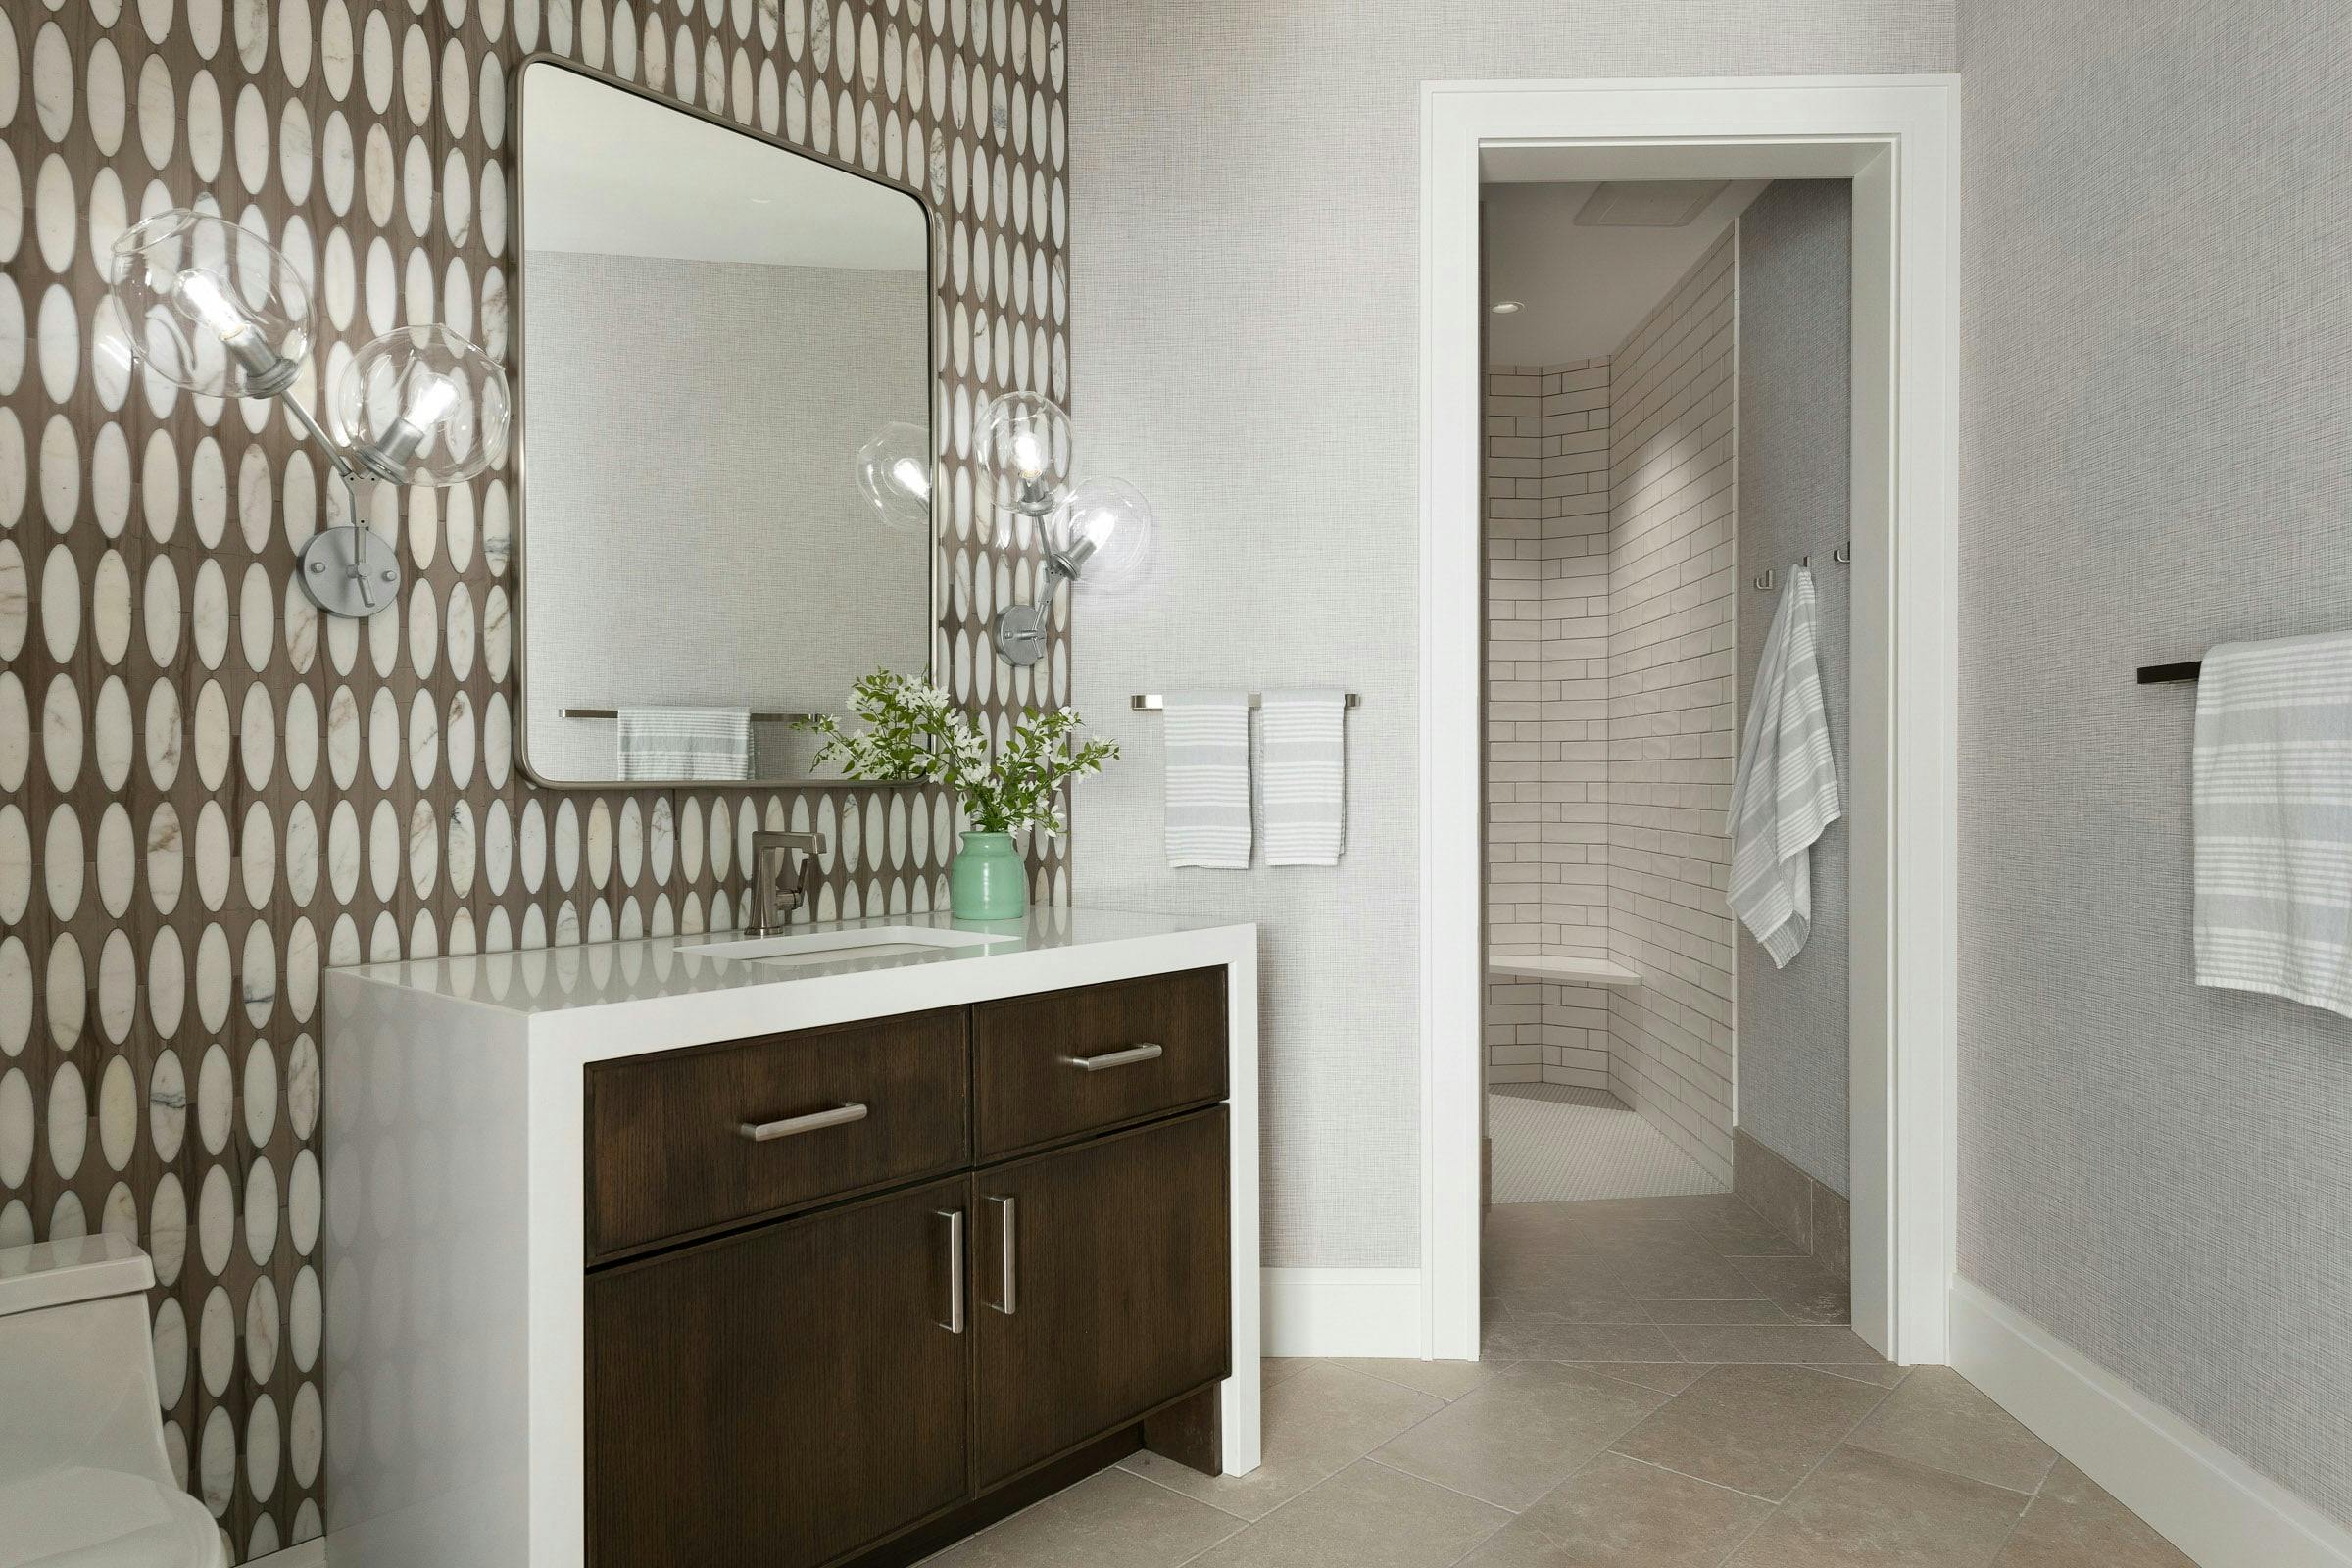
<point x="1117" y="1059"/>
<point x="953" y="1322"/>
<point x="1008" y="1258"/>
<point x="841" y="1115"/>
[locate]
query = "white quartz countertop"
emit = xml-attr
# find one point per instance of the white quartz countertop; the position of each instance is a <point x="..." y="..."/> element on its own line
<point x="1048" y="948"/>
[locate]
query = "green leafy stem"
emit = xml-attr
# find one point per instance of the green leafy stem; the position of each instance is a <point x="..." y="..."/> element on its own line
<point x="915" y="732"/>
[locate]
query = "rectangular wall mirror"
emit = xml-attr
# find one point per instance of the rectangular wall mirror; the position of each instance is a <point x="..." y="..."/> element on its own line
<point x="710" y="326"/>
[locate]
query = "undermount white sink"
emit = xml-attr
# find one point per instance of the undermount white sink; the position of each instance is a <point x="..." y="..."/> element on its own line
<point x="844" y="947"/>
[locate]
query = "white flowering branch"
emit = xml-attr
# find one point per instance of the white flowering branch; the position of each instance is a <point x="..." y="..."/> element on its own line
<point x="916" y="732"/>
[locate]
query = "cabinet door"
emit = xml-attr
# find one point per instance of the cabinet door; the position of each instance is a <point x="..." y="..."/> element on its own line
<point x="1103" y="1279"/>
<point x="784" y="1395"/>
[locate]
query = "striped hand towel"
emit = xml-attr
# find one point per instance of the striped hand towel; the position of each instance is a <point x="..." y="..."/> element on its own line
<point x="2273" y="819"/>
<point x="686" y="743"/>
<point x="1305" y="777"/>
<point x="1207" y="737"/>
<point x="1785" y="795"/>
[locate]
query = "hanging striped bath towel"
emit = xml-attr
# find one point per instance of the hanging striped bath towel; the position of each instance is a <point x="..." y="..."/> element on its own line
<point x="1785" y="795"/>
<point x="689" y="743"/>
<point x="1305" y="784"/>
<point x="2273" y="819"/>
<point x="1208" y="810"/>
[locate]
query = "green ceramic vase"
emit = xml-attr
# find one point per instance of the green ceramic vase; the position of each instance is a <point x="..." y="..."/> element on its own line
<point x="988" y="881"/>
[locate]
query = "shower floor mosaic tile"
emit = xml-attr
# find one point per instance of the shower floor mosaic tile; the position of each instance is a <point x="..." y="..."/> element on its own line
<point x="1554" y="1143"/>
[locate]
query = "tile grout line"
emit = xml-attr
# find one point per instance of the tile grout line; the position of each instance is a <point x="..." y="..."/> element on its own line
<point x="2019" y="1523"/>
<point x="1176" y="1492"/>
<point x="1825" y="1458"/>
<point x="1685" y="1475"/>
<point x="1399" y="1470"/>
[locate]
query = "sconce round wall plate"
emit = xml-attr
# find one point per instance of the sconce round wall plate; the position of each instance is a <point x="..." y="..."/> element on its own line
<point x="350" y="571"/>
<point x="1021" y="634"/>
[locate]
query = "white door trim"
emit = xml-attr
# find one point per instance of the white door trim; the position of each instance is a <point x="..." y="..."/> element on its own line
<point x="1897" y="137"/>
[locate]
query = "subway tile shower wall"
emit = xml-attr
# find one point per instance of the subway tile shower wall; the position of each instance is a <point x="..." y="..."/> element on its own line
<point x="207" y="794"/>
<point x="1673" y="723"/>
<point x="1548" y="728"/>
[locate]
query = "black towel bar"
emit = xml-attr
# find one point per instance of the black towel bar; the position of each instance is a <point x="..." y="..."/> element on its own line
<point x="2156" y="675"/>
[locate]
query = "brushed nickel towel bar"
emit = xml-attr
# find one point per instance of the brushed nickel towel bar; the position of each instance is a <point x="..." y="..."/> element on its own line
<point x="1153" y="702"/>
<point x="615" y="713"/>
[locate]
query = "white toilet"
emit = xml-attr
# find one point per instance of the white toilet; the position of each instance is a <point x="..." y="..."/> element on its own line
<point x="84" y="1482"/>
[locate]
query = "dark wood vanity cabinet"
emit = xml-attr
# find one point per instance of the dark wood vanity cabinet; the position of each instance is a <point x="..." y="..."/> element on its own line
<point x="783" y="1395"/>
<point x="1103" y="1282"/>
<point x="844" y="1363"/>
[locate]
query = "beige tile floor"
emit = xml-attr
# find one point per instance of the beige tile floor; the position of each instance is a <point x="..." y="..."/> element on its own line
<point x="1665" y="1387"/>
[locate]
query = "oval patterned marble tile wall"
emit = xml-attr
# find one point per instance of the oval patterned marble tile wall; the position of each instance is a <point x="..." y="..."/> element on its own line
<point x="208" y="794"/>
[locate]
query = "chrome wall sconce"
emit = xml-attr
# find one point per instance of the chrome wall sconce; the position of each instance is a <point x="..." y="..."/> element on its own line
<point x="215" y="310"/>
<point x="1096" y="532"/>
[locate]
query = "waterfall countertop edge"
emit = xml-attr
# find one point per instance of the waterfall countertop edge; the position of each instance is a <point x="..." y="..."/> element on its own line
<point x="1047" y="948"/>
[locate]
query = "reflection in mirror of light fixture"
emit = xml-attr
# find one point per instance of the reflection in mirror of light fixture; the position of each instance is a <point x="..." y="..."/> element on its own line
<point x="215" y="308"/>
<point x="894" y="470"/>
<point x="1507" y="307"/>
<point x="1098" y="533"/>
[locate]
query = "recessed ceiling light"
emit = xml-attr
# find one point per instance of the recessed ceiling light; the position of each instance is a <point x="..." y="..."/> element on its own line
<point x="1505" y="307"/>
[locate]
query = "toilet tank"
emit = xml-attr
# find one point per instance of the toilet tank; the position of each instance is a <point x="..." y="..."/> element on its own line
<point x="76" y="1360"/>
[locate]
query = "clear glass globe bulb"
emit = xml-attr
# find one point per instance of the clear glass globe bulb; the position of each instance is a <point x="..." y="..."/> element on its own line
<point x="1104" y="529"/>
<point x="1023" y="446"/>
<point x="424" y="405"/>
<point x="894" y="471"/>
<point x="208" y="305"/>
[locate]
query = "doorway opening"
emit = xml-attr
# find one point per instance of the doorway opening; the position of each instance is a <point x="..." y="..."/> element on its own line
<point x="1666" y="383"/>
<point x="1624" y="983"/>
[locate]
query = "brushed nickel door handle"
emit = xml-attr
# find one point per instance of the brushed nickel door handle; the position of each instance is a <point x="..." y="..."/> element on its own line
<point x="1117" y="1059"/>
<point x="792" y="1126"/>
<point x="1009" y="1253"/>
<point x="953" y="1321"/>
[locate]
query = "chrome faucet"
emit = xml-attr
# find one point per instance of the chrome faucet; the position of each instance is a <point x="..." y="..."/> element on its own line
<point x="777" y="890"/>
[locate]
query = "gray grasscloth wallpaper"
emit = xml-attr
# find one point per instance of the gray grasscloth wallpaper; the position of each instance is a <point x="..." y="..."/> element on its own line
<point x="2157" y="456"/>
<point x="1248" y="338"/>
<point x="205" y="793"/>
<point x="1795" y="400"/>
<point x="704" y="386"/>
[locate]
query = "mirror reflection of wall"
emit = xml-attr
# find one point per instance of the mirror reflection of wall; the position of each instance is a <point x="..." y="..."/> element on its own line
<point x="711" y="325"/>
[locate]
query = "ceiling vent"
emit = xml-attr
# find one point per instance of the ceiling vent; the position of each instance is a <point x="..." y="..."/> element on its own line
<point x="1646" y="203"/>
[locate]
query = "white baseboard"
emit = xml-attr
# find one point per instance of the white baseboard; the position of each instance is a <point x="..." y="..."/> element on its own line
<point x="311" y="1553"/>
<point x="2198" y="1494"/>
<point x="1343" y="1312"/>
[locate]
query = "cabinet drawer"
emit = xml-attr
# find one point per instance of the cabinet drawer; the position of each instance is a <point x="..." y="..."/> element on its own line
<point x="671" y="1148"/>
<point x="1072" y="1062"/>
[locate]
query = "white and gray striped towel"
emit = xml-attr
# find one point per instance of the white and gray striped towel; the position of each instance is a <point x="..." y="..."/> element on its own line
<point x="686" y="743"/>
<point x="1305" y="784"/>
<point x="1785" y="795"/>
<point x="1208" y="814"/>
<point x="2273" y="819"/>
